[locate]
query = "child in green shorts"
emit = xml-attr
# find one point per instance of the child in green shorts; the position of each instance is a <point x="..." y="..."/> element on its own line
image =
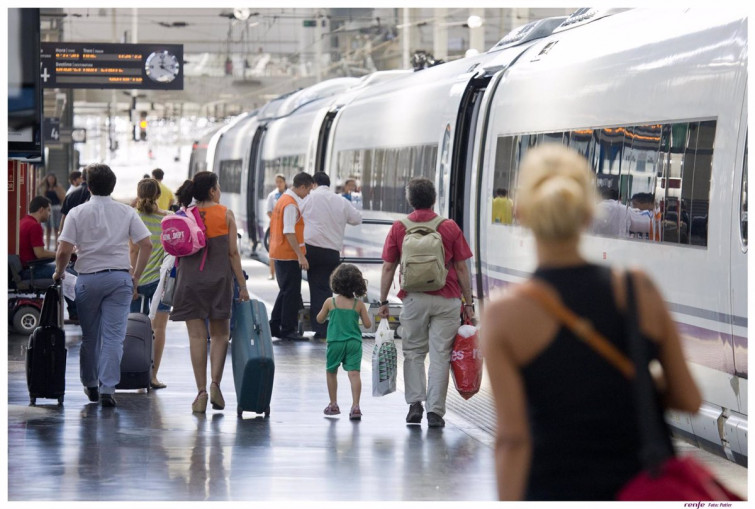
<point x="344" y="336"/>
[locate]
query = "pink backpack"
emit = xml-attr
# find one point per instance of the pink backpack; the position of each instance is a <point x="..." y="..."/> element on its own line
<point x="183" y="234"/>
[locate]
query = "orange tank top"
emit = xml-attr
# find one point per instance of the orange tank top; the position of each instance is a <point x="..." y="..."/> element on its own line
<point x="215" y="222"/>
<point x="280" y="249"/>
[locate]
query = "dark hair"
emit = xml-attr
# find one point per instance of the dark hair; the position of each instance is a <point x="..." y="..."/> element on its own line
<point x="347" y="280"/>
<point x="158" y="173"/>
<point x="643" y="198"/>
<point x="501" y="192"/>
<point x="147" y="192"/>
<point x="76" y="174"/>
<point x="420" y="193"/>
<point x="280" y="176"/>
<point x="609" y="193"/>
<point x="321" y="178"/>
<point x="101" y="179"/>
<point x="303" y="179"/>
<point x="198" y="188"/>
<point x="38" y="202"/>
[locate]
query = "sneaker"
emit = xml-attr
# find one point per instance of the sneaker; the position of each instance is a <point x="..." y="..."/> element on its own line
<point x="355" y="414"/>
<point x="332" y="409"/>
<point x="107" y="400"/>
<point x="415" y="413"/>
<point x="434" y="420"/>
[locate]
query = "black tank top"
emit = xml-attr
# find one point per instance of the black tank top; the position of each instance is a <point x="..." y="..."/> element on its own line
<point x="581" y="408"/>
<point x="52" y="196"/>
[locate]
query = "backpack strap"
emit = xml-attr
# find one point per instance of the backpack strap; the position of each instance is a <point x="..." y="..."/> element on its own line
<point x="194" y="210"/>
<point x="432" y="224"/>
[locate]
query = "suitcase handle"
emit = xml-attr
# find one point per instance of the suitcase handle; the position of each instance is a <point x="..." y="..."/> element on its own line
<point x="255" y="318"/>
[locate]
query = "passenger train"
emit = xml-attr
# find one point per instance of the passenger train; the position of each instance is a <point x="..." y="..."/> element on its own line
<point x="656" y="99"/>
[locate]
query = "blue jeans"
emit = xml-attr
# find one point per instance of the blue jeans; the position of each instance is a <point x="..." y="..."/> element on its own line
<point x="103" y="300"/>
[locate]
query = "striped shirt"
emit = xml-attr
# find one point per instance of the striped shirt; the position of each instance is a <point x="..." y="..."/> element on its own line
<point x="152" y="270"/>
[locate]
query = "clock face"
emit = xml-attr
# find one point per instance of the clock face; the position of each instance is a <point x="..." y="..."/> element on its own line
<point x="162" y="66"/>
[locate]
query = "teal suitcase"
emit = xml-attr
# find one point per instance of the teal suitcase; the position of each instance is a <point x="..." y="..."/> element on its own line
<point x="252" y="357"/>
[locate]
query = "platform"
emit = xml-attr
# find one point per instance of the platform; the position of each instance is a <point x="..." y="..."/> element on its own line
<point x="152" y="448"/>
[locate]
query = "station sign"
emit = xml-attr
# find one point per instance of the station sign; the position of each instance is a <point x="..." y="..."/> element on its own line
<point x="105" y="65"/>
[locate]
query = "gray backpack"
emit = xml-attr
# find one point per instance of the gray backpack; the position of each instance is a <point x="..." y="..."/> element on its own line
<point x="423" y="257"/>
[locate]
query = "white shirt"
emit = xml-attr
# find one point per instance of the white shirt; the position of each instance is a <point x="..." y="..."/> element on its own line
<point x="272" y="198"/>
<point x="72" y="189"/>
<point x="291" y="214"/>
<point x="325" y="216"/>
<point x="618" y="220"/>
<point x="100" y="229"/>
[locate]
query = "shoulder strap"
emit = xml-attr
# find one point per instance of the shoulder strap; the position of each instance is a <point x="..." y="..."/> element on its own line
<point x="334" y="303"/>
<point x="581" y="327"/>
<point x="354" y="307"/>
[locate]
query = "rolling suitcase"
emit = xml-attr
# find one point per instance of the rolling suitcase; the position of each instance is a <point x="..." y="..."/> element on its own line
<point x="46" y="352"/>
<point x="136" y="363"/>
<point x="252" y="357"/>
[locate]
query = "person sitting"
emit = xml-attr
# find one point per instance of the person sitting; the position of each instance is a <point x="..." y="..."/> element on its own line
<point x="31" y="242"/>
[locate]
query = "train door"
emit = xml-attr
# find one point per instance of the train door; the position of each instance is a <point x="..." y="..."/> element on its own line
<point x="739" y="240"/>
<point x="255" y="178"/>
<point x="466" y="181"/>
<point x="322" y="140"/>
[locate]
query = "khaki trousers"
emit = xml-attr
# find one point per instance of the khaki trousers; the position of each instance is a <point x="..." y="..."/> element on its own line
<point x="430" y="324"/>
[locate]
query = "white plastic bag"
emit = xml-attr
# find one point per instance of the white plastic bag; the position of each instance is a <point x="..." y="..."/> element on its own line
<point x="384" y="361"/>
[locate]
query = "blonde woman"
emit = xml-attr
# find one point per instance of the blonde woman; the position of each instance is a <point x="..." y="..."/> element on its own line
<point x="148" y="191"/>
<point x="566" y="423"/>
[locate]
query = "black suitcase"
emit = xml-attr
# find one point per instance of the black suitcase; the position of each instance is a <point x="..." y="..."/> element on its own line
<point x="136" y="363"/>
<point x="46" y="352"/>
<point x="252" y="357"/>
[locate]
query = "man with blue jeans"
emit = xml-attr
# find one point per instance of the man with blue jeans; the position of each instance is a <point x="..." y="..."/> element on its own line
<point x="100" y="230"/>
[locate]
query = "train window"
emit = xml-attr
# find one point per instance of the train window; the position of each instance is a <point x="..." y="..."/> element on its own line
<point x="288" y="166"/>
<point x="654" y="178"/>
<point x="384" y="173"/>
<point x="743" y="200"/>
<point x="229" y="175"/>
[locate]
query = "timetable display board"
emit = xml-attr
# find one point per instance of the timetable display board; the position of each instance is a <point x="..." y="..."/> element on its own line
<point x="105" y="65"/>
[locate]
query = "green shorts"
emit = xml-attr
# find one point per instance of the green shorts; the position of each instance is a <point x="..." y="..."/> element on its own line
<point x="347" y="352"/>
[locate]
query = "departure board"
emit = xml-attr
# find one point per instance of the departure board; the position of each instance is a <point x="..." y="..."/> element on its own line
<point x="104" y="65"/>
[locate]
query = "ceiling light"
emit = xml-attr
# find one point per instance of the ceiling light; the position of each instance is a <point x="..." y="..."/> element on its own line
<point x="474" y="21"/>
<point x="241" y="13"/>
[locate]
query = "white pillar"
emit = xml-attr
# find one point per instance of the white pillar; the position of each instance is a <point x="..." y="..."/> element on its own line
<point x="405" y="36"/>
<point x="477" y="35"/>
<point x="440" y="35"/>
<point x="318" y="47"/>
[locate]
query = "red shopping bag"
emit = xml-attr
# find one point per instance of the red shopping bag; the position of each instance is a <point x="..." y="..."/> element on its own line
<point x="466" y="361"/>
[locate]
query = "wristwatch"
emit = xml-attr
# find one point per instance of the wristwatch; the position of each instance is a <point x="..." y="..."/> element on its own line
<point x="383" y="303"/>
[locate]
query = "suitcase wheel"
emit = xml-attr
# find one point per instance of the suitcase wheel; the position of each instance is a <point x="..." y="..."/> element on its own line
<point x="60" y="400"/>
<point x="267" y="412"/>
<point x="239" y="412"/>
<point x="33" y="401"/>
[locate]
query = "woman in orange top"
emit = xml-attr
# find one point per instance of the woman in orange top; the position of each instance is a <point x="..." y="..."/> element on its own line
<point x="206" y="294"/>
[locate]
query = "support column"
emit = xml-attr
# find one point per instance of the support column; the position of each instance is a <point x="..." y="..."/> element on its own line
<point x="405" y="37"/>
<point x="477" y="35"/>
<point x="440" y="35"/>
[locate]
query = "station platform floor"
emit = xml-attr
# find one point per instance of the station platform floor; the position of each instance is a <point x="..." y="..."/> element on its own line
<point x="152" y="448"/>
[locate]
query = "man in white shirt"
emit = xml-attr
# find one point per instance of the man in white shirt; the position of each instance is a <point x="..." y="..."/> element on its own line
<point x="616" y="219"/>
<point x="100" y="230"/>
<point x="325" y="217"/>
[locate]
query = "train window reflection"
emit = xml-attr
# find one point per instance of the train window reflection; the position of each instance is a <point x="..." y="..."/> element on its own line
<point x="654" y="179"/>
<point x="288" y="166"/>
<point x="229" y="175"/>
<point x="383" y="173"/>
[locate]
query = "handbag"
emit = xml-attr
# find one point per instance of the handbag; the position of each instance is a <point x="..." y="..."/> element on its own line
<point x="169" y="287"/>
<point x="664" y="476"/>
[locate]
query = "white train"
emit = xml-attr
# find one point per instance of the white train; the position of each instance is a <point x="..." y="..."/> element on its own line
<point x="656" y="99"/>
